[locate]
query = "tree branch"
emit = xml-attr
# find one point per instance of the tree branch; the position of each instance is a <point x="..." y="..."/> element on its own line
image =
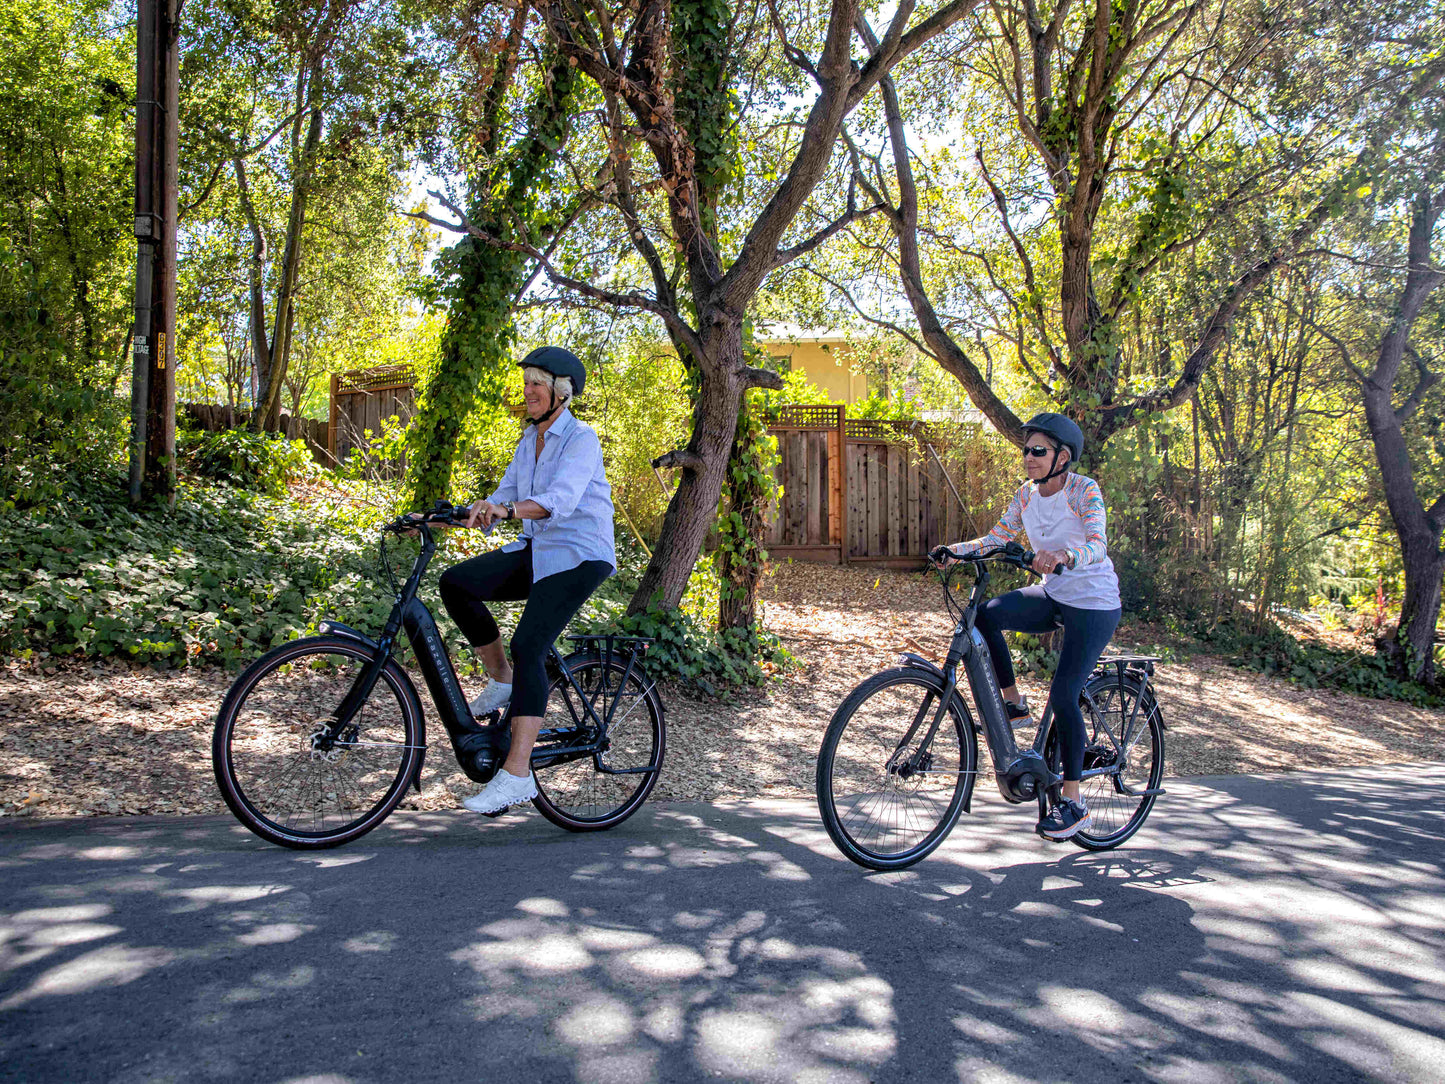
<point x="679" y="458"/>
<point x="676" y="325"/>
<point x="762" y="378"/>
<point x="851" y="215"/>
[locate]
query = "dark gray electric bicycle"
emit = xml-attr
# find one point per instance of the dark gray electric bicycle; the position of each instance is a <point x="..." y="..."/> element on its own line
<point x="319" y="739"/>
<point x="898" y="762"/>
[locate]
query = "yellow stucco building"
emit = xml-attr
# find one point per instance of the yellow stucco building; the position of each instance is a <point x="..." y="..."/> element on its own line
<point x="825" y="357"/>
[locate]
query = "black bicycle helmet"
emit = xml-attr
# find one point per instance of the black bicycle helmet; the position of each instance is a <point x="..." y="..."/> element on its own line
<point x="1063" y="430"/>
<point x="558" y="362"/>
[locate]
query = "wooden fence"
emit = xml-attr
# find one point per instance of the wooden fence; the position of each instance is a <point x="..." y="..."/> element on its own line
<point x="214" y="417"/>
<point x="361" y="399"/>
<point x="881" y="492"/>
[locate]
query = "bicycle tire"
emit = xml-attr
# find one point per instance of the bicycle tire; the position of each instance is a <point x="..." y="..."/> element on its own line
<point x="879" y="816"/>
<point x="1114" y="815"/>
<point x="580" y="795"/>
<point x="272" y="780"/>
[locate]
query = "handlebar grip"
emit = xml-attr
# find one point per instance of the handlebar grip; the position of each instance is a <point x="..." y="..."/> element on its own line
<point x="938" y="554"/>
<point x="1027" y="558"/>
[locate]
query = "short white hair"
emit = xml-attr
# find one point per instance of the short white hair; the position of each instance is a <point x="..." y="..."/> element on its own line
<point x="562" y="385"/>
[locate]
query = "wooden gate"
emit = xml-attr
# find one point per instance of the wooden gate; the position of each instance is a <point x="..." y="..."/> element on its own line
<point x="869" y="492"/>
<point x="361" y="399"/>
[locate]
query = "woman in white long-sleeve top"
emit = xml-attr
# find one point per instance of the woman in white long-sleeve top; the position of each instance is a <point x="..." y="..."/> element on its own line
<point x="556" y="485"/>
<point x="1064" y="516"/>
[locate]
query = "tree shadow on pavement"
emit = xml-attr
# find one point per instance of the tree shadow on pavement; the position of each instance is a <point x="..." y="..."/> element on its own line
<point x="1271" y="928"/>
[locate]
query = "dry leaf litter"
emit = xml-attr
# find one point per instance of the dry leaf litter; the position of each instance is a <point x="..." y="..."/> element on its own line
<point x="113" y="738"/>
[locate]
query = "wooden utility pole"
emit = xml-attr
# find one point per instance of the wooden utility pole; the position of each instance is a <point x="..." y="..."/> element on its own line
<point x="153" y="383"/>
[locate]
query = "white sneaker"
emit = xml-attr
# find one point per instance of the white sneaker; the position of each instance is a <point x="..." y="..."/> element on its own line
<point x="494" y="697"/>
<point x="505" y="790"/>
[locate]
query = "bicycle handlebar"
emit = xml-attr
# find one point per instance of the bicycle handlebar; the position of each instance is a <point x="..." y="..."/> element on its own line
<point x="443" y="512"/>
<point x="1010" y="553"/>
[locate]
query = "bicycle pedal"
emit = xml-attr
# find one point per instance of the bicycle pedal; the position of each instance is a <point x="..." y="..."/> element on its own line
<point x="498" y="812"/>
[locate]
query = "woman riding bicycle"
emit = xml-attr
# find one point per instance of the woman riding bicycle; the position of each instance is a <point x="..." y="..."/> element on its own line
<point x="556" y="485"/>
<point x="1063" y="515"/>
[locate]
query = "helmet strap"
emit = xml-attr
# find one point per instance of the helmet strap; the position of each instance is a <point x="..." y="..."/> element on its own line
<point x="556" y="406"/>
<point x="1057" y="470"/>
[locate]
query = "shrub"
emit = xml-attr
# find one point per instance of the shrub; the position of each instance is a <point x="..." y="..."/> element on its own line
<point x="224" y="576"/>
<point x="247" y="460"/>
<point x="1314" y="666"/>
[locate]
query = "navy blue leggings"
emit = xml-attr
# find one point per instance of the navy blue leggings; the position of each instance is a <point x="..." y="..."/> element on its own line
<point x="501" y="576"/>
<point x="1086" y="634"/>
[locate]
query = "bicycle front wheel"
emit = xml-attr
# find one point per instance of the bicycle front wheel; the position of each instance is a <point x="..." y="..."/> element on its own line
<point x="1129" y="746"/>
<point x="599" y="790"/>
<point x="287" y="791"/>
<point x="886" y="799"/>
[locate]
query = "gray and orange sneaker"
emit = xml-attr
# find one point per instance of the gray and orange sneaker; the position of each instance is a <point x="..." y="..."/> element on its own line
<point x="1063" y="820"/>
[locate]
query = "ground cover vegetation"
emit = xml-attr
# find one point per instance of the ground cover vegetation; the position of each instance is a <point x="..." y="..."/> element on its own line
<point x="1208" y="230"/>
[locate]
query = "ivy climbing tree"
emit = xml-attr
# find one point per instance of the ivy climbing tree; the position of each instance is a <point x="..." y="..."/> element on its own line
<point x="484" y="281"/>
<point x="747" y="493"/>
<point x="667" y="71"/>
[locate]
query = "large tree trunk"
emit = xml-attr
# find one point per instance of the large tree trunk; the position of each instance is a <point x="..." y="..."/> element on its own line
<point x="693" y="508"/>
<point x="749" y="488"/>
<point x="1419" y="528"/>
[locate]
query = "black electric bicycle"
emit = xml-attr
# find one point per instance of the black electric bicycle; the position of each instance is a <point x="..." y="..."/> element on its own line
<point x="898" y="761"/>
<point x="318" y="740"/>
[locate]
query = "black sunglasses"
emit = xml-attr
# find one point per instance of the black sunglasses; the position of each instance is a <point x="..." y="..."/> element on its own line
<point x="1039" y="450"/>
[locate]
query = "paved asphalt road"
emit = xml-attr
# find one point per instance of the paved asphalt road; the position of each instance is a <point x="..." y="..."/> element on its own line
<point x="1272" y="928"/>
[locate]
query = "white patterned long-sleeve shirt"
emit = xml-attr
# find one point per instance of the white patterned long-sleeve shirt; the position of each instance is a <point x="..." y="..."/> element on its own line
<point x="1071" y="521"/>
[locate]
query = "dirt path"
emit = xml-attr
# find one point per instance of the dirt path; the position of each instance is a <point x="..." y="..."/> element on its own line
<point x="107" y="738"/>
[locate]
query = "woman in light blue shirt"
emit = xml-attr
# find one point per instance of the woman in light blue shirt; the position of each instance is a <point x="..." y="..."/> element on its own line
<point x="556" y="486"/>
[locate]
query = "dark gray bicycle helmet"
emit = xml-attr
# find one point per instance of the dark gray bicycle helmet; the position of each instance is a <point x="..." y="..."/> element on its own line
<point x="558" y="362"/>
<point x="1063" y="431"/>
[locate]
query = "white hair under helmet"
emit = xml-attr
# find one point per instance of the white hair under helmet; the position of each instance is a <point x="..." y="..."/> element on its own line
<point x="562" y="385"/>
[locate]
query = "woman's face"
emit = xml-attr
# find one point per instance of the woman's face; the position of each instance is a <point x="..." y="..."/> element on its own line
<point x="1038" y="467"/>
<point x="538" y="396"/>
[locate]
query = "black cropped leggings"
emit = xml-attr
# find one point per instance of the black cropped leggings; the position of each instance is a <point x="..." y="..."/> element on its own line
<point x="499" y="576"/>
<point x="1086" y="634"/>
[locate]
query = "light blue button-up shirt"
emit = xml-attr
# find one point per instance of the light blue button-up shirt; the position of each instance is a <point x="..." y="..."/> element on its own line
<point x="568" y="481"/>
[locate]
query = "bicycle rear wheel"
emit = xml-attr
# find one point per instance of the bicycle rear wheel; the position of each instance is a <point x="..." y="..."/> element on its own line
<point x="1136" y="760"/>
<point x="597" y="791"/>
<point x="887" y="804"/>
<point x="291" y="794"/>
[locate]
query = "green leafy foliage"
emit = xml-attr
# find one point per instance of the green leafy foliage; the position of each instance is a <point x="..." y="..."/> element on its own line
<point x="1314" y="665"/>
<point x="221" y="578"/>
<point x="482" y="283"/>
<point x="54" y="423"/>
<point x="249" y="460"/>
<point x="687" y="649"/>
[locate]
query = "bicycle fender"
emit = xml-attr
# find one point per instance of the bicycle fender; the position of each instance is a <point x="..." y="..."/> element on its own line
<point x="336" y="628"/>
<point x="918" y="662"/>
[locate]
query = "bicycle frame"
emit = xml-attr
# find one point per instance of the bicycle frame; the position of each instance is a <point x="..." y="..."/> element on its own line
<point x="1021" y="774"/>
<point x="480" y="748"/>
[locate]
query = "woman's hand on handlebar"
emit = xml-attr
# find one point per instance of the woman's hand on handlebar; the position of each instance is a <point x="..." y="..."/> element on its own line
<point x="942" y="556"/>
<point x="484" y="513"/>
<point x="1050" y="561"/>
